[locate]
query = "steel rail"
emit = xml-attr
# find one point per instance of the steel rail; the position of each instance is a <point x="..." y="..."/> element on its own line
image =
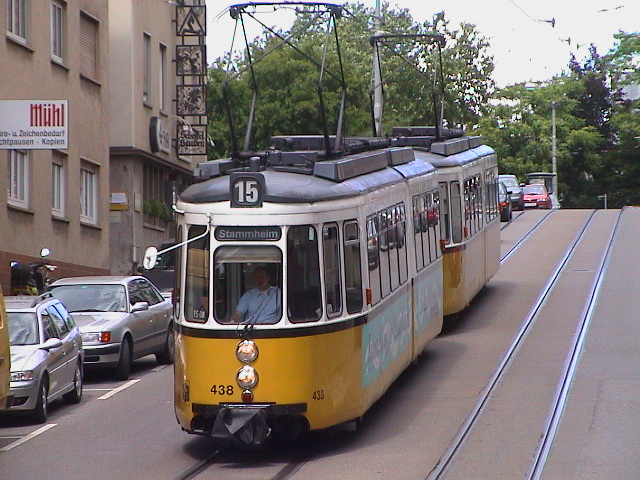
<point x="562" y="392"/>
<point x="522" y="240"/>
<point x="446" y="460"/>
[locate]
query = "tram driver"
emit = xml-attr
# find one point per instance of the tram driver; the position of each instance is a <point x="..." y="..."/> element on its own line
<point x="260" y="304"/>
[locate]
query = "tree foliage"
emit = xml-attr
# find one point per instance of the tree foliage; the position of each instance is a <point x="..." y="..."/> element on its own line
<point x="287" y="83"/>
<point x="597" y="128"/>
<point x="597" y="125"/>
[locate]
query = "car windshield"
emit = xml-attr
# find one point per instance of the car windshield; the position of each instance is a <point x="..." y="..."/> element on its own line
<point x="509" y="181"/>
<point x="23" y="328"/>
<point x="92" y="298"/>
<point x="534" y="190"/>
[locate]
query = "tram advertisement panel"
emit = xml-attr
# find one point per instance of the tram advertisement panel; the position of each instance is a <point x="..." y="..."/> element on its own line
<point x="386" y="335"/>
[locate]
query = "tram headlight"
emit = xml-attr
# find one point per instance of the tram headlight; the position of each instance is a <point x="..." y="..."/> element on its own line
<point x="247" y="377"/>
<point x="247" y="351"/>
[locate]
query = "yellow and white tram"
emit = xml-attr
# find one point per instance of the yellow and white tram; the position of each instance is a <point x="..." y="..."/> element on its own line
<point x="366" y="253"/>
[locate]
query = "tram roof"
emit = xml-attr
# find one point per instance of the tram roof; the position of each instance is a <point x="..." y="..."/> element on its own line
<point x="295" y="170"/>
<point x="291" y="187"/>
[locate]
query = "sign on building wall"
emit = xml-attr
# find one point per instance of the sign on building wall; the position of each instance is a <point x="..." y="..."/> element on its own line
<point x="191" y="72"/>
<point x="34" y="124"/>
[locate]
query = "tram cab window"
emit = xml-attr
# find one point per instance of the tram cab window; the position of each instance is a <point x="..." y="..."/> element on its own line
<point x="352" y="270"/>
<point x="304" y="297"/>
<point x="234" y="275"/>
<point x="196" y="289"/>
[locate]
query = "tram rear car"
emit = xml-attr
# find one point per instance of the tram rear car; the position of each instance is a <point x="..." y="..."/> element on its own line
<point x="469" y="223"/>
<point x="355" y="310"/>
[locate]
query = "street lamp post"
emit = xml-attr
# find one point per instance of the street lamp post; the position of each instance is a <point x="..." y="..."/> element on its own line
<point x="554" y="166"/>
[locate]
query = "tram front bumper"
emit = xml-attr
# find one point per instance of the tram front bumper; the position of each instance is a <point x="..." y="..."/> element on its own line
<point x="244" y="425"/>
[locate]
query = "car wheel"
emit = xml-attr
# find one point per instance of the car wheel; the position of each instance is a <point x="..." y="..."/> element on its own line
<point x="167" y="355"/>
<point x="123" y="369"/>
<point x="41" y="412"/>
<point x="75" y="395"/>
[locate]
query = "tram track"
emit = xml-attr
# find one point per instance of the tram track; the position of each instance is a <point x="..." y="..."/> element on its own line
<point x="523" y="239"/>
<point x="450" y="456"/>
<point x="560" y="398"/>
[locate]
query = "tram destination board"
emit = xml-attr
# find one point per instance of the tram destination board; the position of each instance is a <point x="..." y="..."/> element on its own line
<point x="250" y="234"/>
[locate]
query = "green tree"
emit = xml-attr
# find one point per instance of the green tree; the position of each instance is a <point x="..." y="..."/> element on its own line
<point x="288" y="100"/>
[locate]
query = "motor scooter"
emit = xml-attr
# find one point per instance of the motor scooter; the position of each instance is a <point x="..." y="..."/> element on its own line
<point x="31" y="278"/>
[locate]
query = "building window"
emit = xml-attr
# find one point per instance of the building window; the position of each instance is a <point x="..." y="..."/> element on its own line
<point x="88" y="194"/>
<point x="58" y="185"/>
<point x="57" y="30"/>
<point x="88" y="47"/>
<point x="18" y="179"/>
<point x="163" y="77"/>
<point x="146" y="65"/>
<point x="157" y="192"/>
<point x="17" y="19"/>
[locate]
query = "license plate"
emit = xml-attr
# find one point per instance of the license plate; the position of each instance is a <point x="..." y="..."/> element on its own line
<point x="530" y="204"/>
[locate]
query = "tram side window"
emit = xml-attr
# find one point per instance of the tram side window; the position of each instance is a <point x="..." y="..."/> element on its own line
<point x="373" y="254"/>
<point x="252" y="270"/>
<point x="419" y="226"/>
<point x="385" y="245"/>
<point x="433" y="231"/>
<point x="401" y="228"/>
<point x="491" y="192"/>
<point x="394" y="242"/>
<point x="304" y="298"/>
<point x="445" y="217"/>
<point x="196" y="302"/>
<point x="332" y="277"/>
<point x="456" y="212"/>
<point x="352" y="269"/>
<point x="479" y="200"/>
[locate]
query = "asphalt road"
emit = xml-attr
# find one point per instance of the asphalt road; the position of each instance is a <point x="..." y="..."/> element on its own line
<point x="127" y="430"/>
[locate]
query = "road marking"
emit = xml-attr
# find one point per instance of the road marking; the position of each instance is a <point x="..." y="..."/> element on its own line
<point x="28" y="437"/>
<point x="158" y="368"/>
<point x="119" y="389"/>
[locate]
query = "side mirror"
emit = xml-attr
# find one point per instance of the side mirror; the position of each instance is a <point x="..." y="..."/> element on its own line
<point x="139" y="306"/>
<point x="150" y="258"/>
<point x="51" y="343"/>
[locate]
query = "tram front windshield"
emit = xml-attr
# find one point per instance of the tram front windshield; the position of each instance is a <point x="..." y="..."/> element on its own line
<point x="247" y="282"/>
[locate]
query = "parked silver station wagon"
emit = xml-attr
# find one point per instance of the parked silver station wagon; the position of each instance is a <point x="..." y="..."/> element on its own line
<point x="46" y="354"/>
<point x="121" y="318"/>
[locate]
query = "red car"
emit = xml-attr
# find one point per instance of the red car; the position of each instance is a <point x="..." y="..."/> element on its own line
<point x="536" y="196"/>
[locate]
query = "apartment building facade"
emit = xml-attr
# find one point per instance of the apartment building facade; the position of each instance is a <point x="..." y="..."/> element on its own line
<point x="100" y="197"/>
<point x="54" y="56"/>
<point x="157" y="52"/>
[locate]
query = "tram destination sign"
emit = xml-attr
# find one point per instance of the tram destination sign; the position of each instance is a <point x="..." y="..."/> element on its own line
<point x="248" y="234"/>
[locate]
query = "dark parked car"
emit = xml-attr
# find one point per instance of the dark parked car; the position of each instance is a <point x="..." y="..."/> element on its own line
<point x="121" y="318"/>
<point x="504" y="202"/>
<point x="514" y="189"/>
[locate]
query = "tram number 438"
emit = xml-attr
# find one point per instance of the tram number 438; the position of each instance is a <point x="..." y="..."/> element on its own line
<point x="222" y="389"/>
<point x="318" y="395"/>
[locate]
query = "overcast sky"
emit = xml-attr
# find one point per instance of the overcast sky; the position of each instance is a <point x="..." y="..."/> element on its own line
<point x="526" y="45"/>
